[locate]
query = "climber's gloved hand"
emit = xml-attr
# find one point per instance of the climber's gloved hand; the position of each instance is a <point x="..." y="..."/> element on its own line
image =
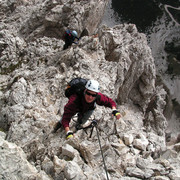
<point x="69" y="135"/>
<point x="116" y="114"/>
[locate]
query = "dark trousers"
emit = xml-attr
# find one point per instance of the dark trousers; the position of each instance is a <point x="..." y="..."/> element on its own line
<point x="82" y="118"/>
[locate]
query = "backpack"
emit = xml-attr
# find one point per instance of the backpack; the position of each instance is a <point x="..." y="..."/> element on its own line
<point x="75" y="86"/>
<point x="67" y="33"/>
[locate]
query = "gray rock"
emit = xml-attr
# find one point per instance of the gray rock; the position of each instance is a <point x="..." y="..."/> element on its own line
<point x="14" y="164"/>
<point x="34" y="72"/>
<point x="73" y="171"/>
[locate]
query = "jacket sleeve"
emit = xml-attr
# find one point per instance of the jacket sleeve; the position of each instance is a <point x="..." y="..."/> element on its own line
<point x="104" y="100"/>
<point x="70" y="109"/>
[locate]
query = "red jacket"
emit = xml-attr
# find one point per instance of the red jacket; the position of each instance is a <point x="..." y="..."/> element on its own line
<point x="78" y="104"/>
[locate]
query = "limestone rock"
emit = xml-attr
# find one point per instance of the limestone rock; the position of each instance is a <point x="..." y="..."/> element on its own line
<point x="34" y="72"/>
<point x="73" y="171"/>
<point x="14" y="164"/>
<point x="141" y="143"/>
<point x="128" y="139"/>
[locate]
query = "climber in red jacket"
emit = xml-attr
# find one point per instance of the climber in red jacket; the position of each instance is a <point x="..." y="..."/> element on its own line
<point x="84" y="105"/>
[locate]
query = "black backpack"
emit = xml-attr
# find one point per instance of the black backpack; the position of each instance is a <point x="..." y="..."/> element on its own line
<point x="75" y="86"/>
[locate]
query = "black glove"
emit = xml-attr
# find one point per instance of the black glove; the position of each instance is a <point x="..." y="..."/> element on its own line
<point x="69" y="134"/>
<point x="115" y="112"/>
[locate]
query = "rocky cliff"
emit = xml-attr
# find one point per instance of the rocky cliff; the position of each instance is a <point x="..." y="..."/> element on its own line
<point x="34" y="72"/>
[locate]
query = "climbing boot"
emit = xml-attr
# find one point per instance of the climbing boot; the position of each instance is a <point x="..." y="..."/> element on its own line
<point x="57" y="126"/>
<point x="83" y="126"/>
<point x="78" y="126"/>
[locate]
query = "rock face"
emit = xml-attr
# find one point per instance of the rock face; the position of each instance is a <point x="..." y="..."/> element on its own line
<point x="136" y="71"/>
<point x="34" y="71"/>
<point x="14" y="164"/>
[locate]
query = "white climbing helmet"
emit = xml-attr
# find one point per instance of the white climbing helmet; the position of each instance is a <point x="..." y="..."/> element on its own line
<point x="92" y="85"/>
<point x="74" y="33"/>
